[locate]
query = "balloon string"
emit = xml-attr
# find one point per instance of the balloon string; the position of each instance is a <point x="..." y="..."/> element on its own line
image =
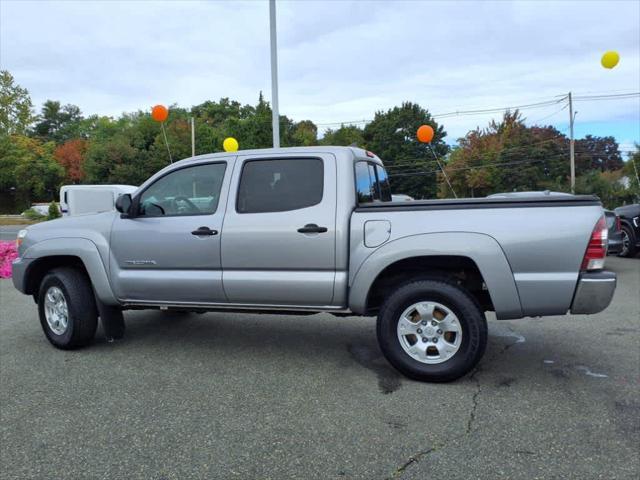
<point x="166" y="142"/>
<point x="442" y="169"/>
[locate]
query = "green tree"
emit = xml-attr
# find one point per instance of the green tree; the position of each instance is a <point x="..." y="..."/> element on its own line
<point x="344" y="136"/>
<point x="28" y="166"/>
<point x="15" y="106"/>
<point x="53" y="212"/>
<point x="58" y="123"/>
<point x="305" y="133"/>
<point x="392" y="136"/>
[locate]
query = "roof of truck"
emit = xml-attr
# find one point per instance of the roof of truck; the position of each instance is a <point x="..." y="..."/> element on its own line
<point x="357" y="152"/>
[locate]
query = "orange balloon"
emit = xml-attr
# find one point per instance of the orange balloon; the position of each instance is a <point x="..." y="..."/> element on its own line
<point x="425" y="134"/>
<point x="159" y="113"/>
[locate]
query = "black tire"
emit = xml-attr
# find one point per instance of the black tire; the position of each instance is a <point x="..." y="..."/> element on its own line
<point x="81" y="306"/>
<point x="459" y="301"/>
<point x="630" y="251"/>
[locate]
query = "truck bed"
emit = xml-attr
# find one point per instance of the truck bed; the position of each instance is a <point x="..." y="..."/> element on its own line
<point x="471" y="203"/>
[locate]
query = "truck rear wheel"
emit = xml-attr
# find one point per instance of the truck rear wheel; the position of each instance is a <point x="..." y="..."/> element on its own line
<point x="432" y="330"/>
<point x="67" y="308"/>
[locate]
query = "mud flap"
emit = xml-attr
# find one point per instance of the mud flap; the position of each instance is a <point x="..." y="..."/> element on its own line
<point x="112" y="321"/>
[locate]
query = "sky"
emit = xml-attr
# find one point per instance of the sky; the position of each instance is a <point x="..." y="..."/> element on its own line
<point x="339" y="61"/>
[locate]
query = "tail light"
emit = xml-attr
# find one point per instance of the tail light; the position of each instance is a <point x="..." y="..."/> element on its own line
<point x="618" y="224"/>
<point x="597" y="248"/>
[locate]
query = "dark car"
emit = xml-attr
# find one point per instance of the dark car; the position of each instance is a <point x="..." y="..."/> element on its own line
<point x="615" y="233"/>
<point x="630" y="224"/>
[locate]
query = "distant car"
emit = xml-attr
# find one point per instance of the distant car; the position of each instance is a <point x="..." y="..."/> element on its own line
<point x="615" y="233"/>
<point x="401" y="198"/>
<point x="630" y="224"/>
<point x="83" y="199"/>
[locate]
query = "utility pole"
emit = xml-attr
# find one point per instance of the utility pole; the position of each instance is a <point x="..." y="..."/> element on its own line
<point x="193" y="137"/>
<point x="275" y="114"/>
<point x="572" y="146"/>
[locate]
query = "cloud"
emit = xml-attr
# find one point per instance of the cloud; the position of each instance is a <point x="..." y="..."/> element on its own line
<point x="338" y="61"/>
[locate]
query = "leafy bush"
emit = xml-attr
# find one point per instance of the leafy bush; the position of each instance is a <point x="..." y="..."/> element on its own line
<point x="32" y="214"/>
<point x="8" y="252"/>
<point x="54" y="211"/>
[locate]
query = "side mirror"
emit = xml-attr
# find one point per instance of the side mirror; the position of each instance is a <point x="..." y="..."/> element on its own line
<point x="123" y="204"/>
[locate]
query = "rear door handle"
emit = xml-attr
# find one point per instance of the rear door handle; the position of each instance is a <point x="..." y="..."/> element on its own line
<point x="204" y="231"/>
<point x="312" y="228"/>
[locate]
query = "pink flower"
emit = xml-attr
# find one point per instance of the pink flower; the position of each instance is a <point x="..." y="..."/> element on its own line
<point x="8" y="252"/>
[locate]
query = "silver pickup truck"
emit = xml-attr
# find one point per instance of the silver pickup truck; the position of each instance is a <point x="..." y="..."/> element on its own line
<point x="314" y="230"/>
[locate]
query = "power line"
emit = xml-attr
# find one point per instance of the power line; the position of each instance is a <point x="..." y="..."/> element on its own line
<point x="488" y="165"/>
<point x="534" y="122"/>
<point x="535" y="105"/>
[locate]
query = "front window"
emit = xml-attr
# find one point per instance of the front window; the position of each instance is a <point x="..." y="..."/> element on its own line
<point x="188" y="191"/>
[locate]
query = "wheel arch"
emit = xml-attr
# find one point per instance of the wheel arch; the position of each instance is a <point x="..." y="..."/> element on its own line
<point x="471" y="258"/>
<point x="63" y="252"/>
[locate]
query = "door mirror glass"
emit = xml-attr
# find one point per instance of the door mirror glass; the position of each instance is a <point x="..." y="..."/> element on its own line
<point x="123" y="203"/>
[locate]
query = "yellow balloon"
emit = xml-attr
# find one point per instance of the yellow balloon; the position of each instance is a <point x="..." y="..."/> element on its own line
<point x="230" y="144"/>
<point x="610" y="59"/>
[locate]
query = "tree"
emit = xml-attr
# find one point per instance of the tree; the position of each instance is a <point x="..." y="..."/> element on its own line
<point x="15" y="106"/>
<point x="71" y="156"/>
<point x="508" y="156"/>
<point x="58" y="123"/>
<point x="344" y="136"/>
<point x="597" y="153"/>
<point x="30" y="167"/>
<point x="392" y="136"/>
<point x="305" y="133"/>
<point x="53" y="212"/>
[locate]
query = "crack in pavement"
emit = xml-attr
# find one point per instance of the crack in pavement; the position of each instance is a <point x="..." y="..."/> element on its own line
<point x="472" y="414"/>
<point x="414" y="459"/>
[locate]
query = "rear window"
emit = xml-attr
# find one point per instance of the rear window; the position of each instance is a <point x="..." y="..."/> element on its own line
<point x="280" y="185"/>
<point x="372" y="183"/>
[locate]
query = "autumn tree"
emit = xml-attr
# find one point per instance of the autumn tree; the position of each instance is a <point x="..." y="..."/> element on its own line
<point x="597" y="153"/>
<point x="71" y="155"/>
<point x="508" y="156"/>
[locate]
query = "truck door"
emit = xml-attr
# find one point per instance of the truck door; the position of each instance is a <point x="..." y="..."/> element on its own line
<point x="278" y="245"/>
<point x="170" y="251"/>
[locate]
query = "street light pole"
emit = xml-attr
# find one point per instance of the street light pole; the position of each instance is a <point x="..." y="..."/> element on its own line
<point x="275" y="114"/>
<point x="572" y="146"/>
<point x="193" y="137"/>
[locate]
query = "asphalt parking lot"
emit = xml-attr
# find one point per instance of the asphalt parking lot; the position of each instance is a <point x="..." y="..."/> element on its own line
<point x="10" y="232"/>
<point x="248" y="396"/>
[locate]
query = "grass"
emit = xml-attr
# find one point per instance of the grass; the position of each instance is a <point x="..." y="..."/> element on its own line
<point x="11" y="220"/>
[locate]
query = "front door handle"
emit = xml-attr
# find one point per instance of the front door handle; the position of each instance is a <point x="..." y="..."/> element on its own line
<point x="204" y="231"/>
<point x="312" y="228"/>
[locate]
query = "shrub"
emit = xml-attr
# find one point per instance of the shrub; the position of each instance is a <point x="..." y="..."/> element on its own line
<point x="54" y="211"/>
<point x="32" y="214"/>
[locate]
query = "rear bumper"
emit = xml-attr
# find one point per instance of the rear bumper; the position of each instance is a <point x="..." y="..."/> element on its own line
<point x="594" y="292"/>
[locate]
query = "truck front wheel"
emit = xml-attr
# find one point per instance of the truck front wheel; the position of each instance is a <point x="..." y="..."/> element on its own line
<point x="432" y="330"/>
<point x="67" y="308"/>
